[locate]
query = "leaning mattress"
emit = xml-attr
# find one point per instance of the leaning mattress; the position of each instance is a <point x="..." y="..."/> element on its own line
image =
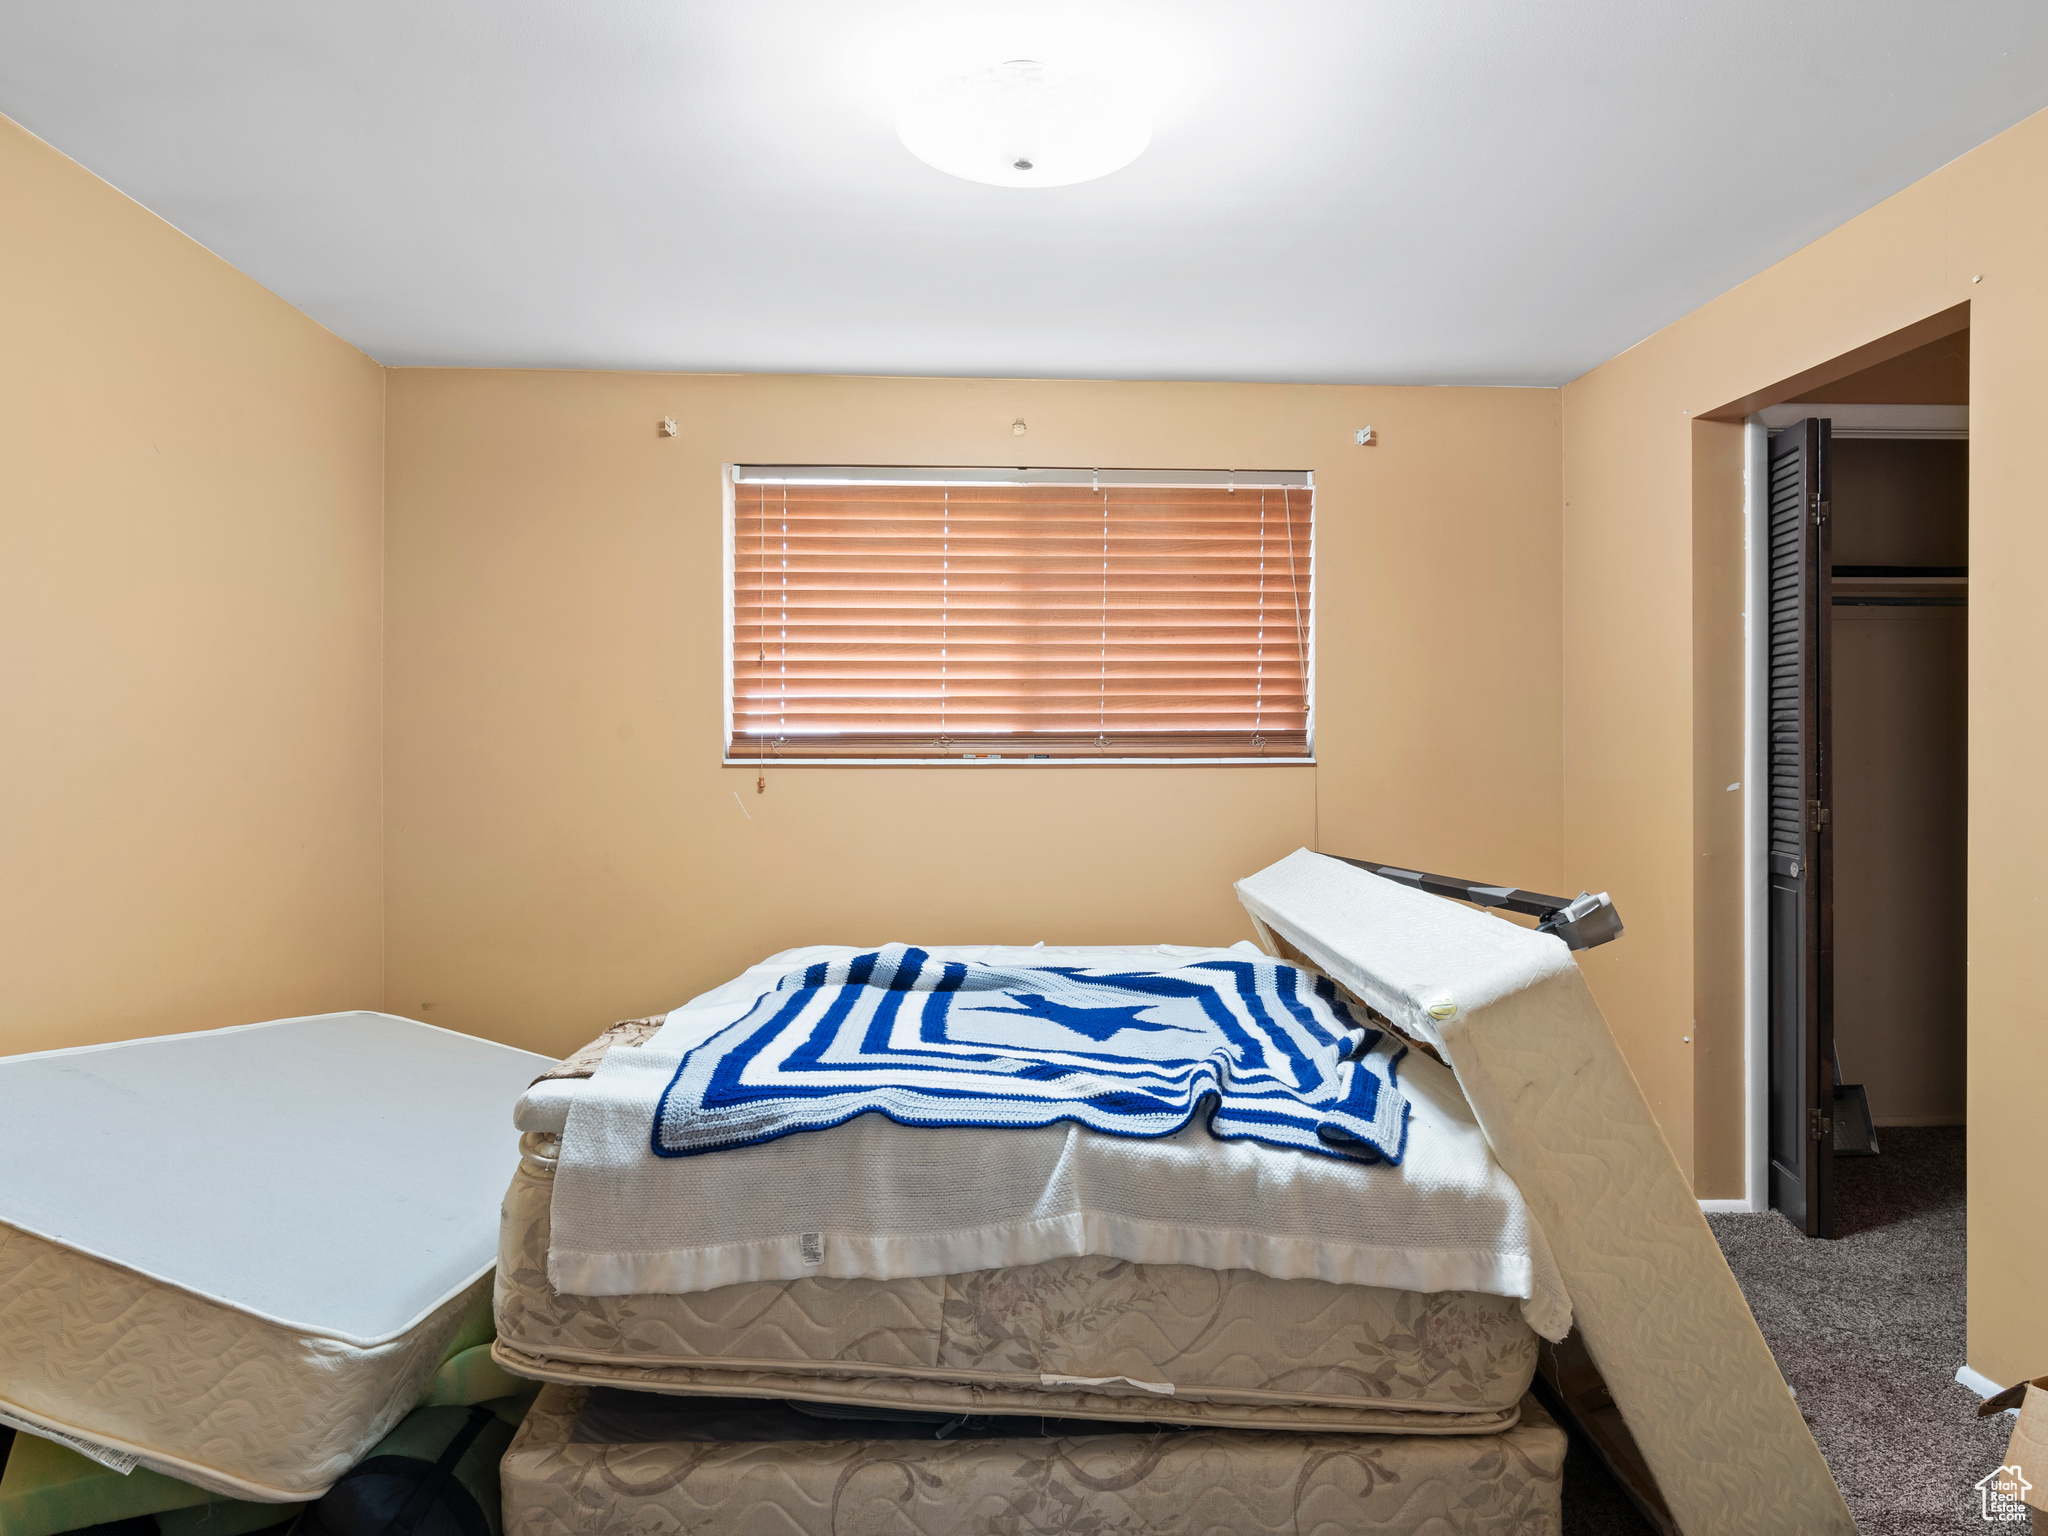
<point x="1244" y="1482"/>
<point x="236" y="1257"/>
<point x="1088" y="1336"/>
<point x="1653" y="1299"/>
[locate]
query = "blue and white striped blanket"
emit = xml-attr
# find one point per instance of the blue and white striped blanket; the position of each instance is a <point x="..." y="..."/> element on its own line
<point x="1272" y="1053"/>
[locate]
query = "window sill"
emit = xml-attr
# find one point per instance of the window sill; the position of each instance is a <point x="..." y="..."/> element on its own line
<point x="1007" y="761"/>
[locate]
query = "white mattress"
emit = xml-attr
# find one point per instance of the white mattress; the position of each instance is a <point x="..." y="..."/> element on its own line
<point x="237" y="1256"/>
<point x="883" y="1201"/>
<point x="1651" y="1294"/>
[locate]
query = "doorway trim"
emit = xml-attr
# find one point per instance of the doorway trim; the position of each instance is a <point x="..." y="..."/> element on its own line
<point x="1913" y="422"/>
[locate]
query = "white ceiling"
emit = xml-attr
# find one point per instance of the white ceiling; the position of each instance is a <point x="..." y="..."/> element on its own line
<point x="1413" y="191"/>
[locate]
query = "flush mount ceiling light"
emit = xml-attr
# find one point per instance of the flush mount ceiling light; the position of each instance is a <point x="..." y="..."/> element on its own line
<point x="1024" y="124"/>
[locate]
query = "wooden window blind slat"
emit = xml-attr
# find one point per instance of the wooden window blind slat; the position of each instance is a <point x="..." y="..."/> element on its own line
<point x="1052" y="621"/>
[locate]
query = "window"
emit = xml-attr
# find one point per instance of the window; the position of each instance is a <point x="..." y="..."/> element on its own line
<point x="890" y="614"/>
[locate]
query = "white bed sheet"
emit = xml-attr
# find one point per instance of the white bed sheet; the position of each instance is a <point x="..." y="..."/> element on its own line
<point x="877" y="1200"/>
<point x="337" y="1173"/>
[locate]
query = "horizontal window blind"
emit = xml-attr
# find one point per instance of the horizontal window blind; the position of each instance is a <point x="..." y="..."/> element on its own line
<point x="1063" y="621"/>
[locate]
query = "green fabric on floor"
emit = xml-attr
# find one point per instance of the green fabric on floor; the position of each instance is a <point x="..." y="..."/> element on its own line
<point x="48" y="1488"/>
<point x="474" y="1377"/>
<point x="480" y="1327"/>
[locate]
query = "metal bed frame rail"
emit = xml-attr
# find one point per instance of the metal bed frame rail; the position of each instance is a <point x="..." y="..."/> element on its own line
<point x="1582" y="921"/>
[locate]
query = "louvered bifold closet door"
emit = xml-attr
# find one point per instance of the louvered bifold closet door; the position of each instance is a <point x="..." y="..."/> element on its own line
<point x="1055" y="621"/>
<point x="1801" y="886"/>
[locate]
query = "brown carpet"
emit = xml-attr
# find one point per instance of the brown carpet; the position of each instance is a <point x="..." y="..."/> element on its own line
<point x="1594" y="1504"/>
<point x="1868" y="1329"/>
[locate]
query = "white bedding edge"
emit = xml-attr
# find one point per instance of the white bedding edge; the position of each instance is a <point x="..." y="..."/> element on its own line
<point x="1007" y="1245"/>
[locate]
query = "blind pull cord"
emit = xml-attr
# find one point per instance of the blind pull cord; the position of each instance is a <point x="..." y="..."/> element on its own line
<point x="1102" y="675"/>
<point x="945" y="601"/>
<point x="1259" y="655"/>
<point x="761" y="782"/>
<point x="1294" y="586"/>
<point x="782" y="697"/>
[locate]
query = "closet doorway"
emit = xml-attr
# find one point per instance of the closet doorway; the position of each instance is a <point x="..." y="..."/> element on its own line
<point x="1865" y="722"/>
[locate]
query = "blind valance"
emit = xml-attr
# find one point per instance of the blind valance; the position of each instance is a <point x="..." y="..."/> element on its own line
<point x="1056" y="621"/>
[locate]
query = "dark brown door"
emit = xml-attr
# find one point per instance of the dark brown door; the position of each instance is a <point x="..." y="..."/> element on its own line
<point x="1802" y="1003"/>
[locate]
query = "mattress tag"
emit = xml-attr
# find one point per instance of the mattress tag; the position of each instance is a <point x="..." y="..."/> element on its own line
<point x="1163" y="1388"/>
<point x="812" y="1247"/>
<point x="122" y="1462"/>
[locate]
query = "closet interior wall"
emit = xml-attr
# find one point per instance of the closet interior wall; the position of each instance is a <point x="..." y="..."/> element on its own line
<point x="1900" y="677"/>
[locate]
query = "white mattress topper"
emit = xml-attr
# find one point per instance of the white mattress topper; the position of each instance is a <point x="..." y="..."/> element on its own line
<point x="339" y="1173"/>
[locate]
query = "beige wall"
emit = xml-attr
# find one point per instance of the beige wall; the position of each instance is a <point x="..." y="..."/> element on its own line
<point x="1632" y="474"/>
<point x="565" y="849"/>
<point x="190" y="612"/>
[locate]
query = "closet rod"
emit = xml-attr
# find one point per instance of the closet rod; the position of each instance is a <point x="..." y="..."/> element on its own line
<point x="1901" y="572"/>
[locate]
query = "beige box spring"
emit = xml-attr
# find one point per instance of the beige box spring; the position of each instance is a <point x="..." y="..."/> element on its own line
<point x="1259" y="1352"/>
<point x="1199" y="1482"/>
